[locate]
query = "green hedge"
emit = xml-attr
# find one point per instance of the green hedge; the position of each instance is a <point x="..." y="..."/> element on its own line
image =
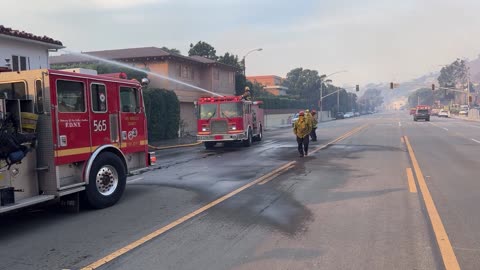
<point x="283" y="103"/>
<point x="163" y="113"/>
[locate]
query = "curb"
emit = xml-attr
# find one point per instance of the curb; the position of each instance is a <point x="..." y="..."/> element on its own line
<point x="173" y="146"/>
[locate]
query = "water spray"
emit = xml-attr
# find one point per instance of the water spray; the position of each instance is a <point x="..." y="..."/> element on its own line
<point x="120" y="64"/>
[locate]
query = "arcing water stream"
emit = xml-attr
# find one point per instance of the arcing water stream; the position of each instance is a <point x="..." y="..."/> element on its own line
<point x="111" y="62"/>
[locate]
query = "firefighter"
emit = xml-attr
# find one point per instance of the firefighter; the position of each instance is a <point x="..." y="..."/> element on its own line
<point x="246" y="95"/>
<point x="313" y="134"/>
<point x="308" y="116"/>
<point x="302" y="129"/>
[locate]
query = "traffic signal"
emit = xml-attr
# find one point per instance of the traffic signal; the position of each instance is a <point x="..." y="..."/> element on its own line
<point x="391" y="85"/>
<point x="357" y="87"/>
<point x="433" y="87"/>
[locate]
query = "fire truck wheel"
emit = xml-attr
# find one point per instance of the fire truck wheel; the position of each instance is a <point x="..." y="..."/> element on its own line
<point x="249" y="140"/>
<point x="260" y="134"/>
<point x="106" y="182"/>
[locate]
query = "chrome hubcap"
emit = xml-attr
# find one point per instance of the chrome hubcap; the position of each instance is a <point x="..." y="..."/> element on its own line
<point x="107" y="180"/>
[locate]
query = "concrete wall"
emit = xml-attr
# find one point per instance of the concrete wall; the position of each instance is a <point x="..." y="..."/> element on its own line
<point x="37" y="55"/>
<point x="285" y="119"/>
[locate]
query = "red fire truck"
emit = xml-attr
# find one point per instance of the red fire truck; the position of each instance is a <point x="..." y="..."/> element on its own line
<point x="229" y="119"/>
<point x="69" y="133"/>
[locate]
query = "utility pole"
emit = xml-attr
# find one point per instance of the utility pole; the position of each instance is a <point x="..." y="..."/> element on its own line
<point x="338" y="101"/>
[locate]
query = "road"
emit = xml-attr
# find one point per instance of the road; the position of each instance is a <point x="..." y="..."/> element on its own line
<point x="349" y="205"/>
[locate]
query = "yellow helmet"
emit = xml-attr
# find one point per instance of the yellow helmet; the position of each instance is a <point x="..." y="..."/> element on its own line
<point x="307" y="111"/>
<point x="247" y="88"/>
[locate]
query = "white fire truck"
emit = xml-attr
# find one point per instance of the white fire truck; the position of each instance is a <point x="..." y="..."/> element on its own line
<point x="69" y="133"/>
<point x="229" y="119"/>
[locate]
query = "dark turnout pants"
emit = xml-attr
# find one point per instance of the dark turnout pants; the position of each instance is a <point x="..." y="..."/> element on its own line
<point x="313" y="134"/>
<point x="303" y="145"/>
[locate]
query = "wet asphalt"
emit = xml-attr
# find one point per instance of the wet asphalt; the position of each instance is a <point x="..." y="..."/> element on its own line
<point x="347" y="206"/>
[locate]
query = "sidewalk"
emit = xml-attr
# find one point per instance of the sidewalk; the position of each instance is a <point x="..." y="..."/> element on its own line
<point x="173" y="143"/>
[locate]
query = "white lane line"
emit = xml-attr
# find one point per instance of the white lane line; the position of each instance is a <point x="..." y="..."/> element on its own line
<point x="476" y="141"/>
<point x="399" y="124"/>
<point x="445" y="128"/>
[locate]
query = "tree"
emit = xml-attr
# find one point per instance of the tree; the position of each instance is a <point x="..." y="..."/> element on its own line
<point x="171" y="50"/>
<point x="231" y="60"/>
<point x="453" y="75"/>
<point x="305" y="84"/>
<point x="371" y="99"/>
<point x="422" y="96"/>
<point x="203" y="49"/>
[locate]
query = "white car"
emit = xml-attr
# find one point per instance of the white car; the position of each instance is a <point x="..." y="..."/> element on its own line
<point x="294" y="119"/>
<point x="463" y="112"/>
<point x="349" y="115"/>
<point x="443" y="113"/>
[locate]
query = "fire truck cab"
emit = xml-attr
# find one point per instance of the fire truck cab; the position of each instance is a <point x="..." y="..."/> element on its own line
<point x="68" y="133"/>
<point x="229" y="119"/>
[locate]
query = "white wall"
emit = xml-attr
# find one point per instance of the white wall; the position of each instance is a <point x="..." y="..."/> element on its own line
<point x="285" y="119"/>
<point x="37" y="54"/>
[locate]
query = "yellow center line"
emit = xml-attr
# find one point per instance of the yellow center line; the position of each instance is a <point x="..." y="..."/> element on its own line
<point x="446" y="250"/>
<point x="411" y="181"/>
<point x="179" y="221"/>
<point x="276" y="174"/>
<point x="263" y="179"/>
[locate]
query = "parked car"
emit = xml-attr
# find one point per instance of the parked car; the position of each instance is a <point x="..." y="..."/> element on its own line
<point x="340" y="115"/>
<point x="294" y="119"/>
<point x="356" y="114"/>
<point x="463" y="112"/>
<point x="348" y="115"/>
<point x="443" y="113"/>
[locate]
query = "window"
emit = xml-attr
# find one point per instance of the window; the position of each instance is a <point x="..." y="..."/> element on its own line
<point x="15" y="90"/>
<point x="15" y="63"/>
<point x="230" y="110"/>
<point x="99" y="97"/>
<point x="216" y="74"/>
<point x="70" y="96"/>
<point x="186" y="72"/>
<point x="23" y="63"/>
<point x="39" y="93"/>
<point x="19" y="63"/>
<point x="208" y="111"/>
<point x="129" y="99"/>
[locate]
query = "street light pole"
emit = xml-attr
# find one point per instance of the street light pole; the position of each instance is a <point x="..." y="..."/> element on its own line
<point x="245" y="56"/>
<point x="321" y="90"/>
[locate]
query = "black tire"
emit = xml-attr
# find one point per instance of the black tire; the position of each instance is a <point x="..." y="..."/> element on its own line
<point x="209" y="145"/>
<point x="260" y="134"/>
<point x="249" y="140"/>
<point x="105" y="166"/>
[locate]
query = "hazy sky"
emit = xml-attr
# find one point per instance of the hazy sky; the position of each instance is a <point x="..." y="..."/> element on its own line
<point x="375" y="40"/>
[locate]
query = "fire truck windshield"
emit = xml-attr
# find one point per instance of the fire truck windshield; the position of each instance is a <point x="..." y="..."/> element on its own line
<point x="230" y="110"/>
<point x="207" y="111"/>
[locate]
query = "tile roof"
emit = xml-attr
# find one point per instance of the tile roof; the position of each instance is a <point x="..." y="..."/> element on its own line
<point x="22" y="34"/>
<point x="124" y="54"/>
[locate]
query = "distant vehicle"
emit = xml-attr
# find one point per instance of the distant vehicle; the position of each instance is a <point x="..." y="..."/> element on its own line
<point x="356" y="114"/>
<point x="229" y="119"/>
<point x="348" y="115"/>
<point x="422" y="112"/>
<point x="435" y="112"/>
<point x="294" y="119"/>
<point x="340" y="115"/>
<point x="443" y="113"/>
<point x="463" y="112"/>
